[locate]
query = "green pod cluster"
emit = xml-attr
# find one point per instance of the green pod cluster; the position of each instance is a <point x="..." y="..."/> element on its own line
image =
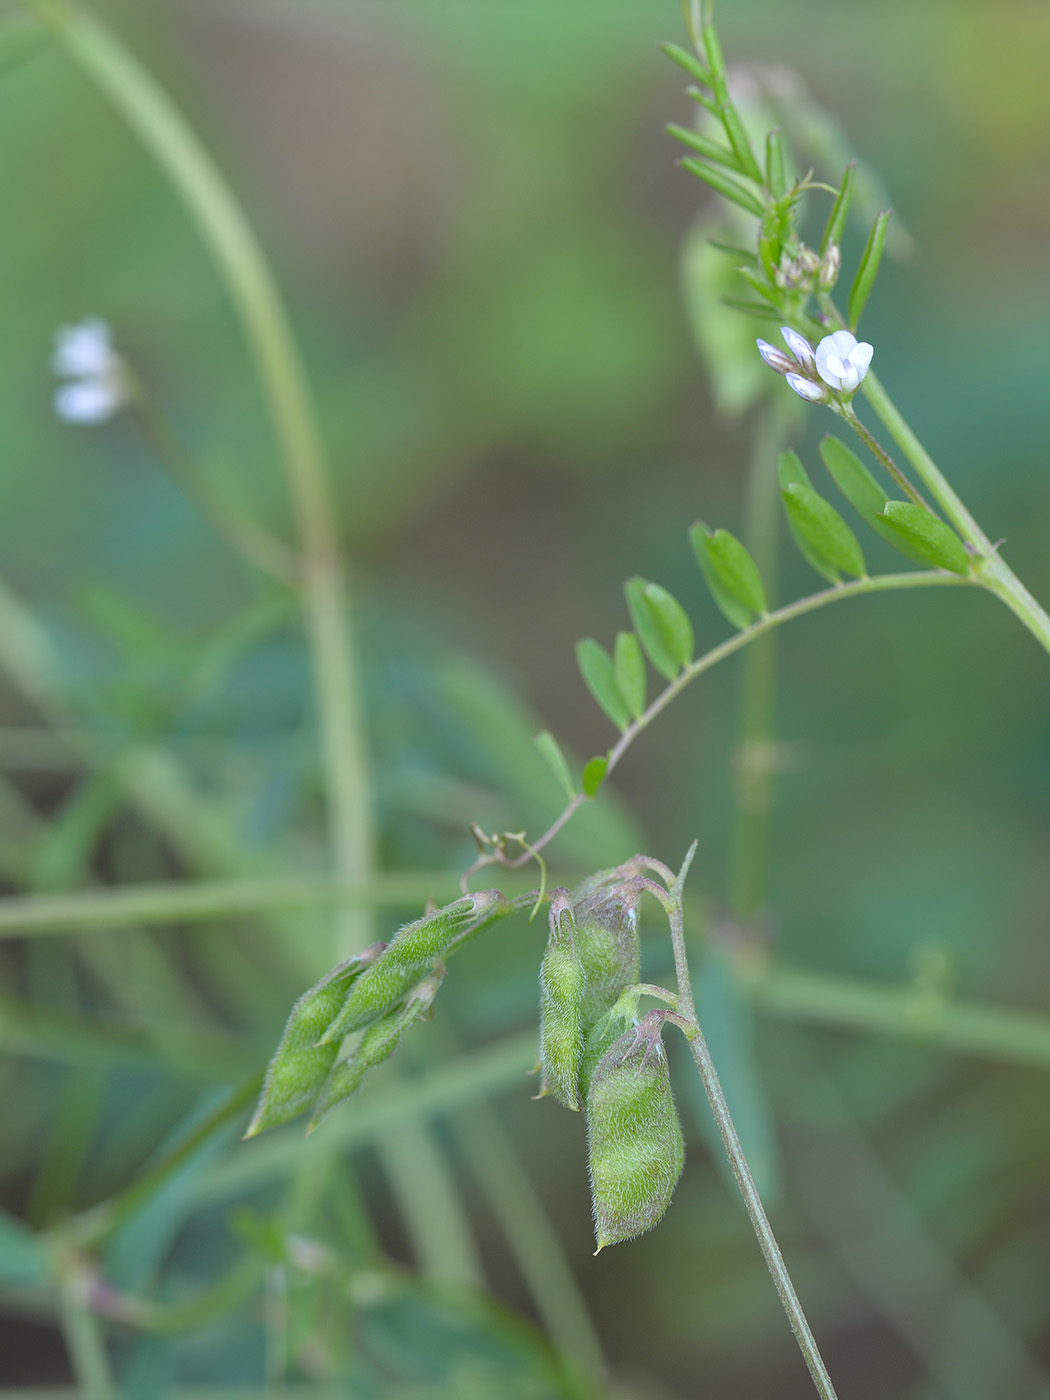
<point x="634" y="1139"/>
<point x="561" y="1001"/>
<point x="411" y="954"/>
<point x="377" y="1044"/>
<point x="300" y="1065"/>
<point x="607" y="945"/>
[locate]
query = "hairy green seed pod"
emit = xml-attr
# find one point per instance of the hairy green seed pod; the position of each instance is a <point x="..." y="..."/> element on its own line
<point x="561" y="993"/>
<point x="607" y="945"/>
<point x="377" y="1044"/>
<point x="634" y="1138"/>
<point x="300" y="1066"/>
<point x="410" y="955"/>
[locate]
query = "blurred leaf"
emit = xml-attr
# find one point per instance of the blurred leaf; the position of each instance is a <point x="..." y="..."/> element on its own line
<point x="711" y="150"/>
<point x="649" y="634"/>
<point x="934" y="541"/>
<point x="549" y="748"/>
<point x="733" y="609"/>
<point x="868" y="269"/>
<point x="863" y="492"/>
<point x="599" y="673"/>
<point x="734" y="568"/>
<point x="724" y="338"/>
<point x="738" y="139"/>
<point x="594" y="774"/>
<point x="629" y="665"/>
<point x="688" y="62"/>
<point x="792" y="472"/>
<point x="775" y="177"/>
<point x="724" y="185"/>
<point x="836" y="224"/>
<point x="671" y="621"/>
<point x="23" y="1257"/>
<point x="824" y="530"/>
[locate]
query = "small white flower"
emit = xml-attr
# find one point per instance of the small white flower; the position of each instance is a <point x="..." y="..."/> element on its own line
<point x="98" y="385"/>
<point x="799" y="346"/>
<point x="806" y="388"/>
<point x="842" y="362"/>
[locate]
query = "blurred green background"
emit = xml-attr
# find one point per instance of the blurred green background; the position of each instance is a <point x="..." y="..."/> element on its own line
<point x="478" y="222"/>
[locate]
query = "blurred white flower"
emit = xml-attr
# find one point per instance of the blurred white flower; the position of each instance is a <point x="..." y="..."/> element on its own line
<point x="98" y="384"/>
<point x="842" y="362"/>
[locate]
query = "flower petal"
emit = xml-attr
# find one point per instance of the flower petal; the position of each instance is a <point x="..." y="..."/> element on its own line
<point x="774" y="358"/>
<point x="84" y="349"/>
<point x="86" y="401"/>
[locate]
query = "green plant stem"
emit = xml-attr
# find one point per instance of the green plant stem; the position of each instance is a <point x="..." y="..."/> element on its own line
<point x="995" y="573"/>
<point x="186" y="902"/>
<point x="751" y="766"/>
<point x="86" y="1344"/>
<point x="767" y="1242"/>
<point x="881" y="583"/>
<point x="240" y="261"/>
<point x="877" y="450"/>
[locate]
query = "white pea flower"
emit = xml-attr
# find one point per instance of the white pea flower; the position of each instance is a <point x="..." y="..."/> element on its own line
<point x="839" y="363"/>
<point x="842" y="362"/>
<point x="97" y="381"/>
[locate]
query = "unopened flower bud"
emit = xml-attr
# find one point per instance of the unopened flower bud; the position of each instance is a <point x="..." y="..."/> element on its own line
<point x="776" y="359"/>
<point x="830" y="268"/>
<point x="807" y="388"/>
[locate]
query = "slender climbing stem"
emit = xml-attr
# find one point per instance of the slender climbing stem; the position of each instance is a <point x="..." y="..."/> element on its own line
<point x="995" y="573"/>
<point x="229" y="238"/>
<point x="877" y="450"/>
<point x="881" y="583"/>
<point x="751" y="758"/>
<point x="741" y="1171"/>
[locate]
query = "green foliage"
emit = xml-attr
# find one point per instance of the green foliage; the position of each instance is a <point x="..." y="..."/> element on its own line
<point x="671" y="622"/>
<point x="836" y="225"/>
<point x="599" y="673"/>
<point x="724" y="558"/>
<point x="594" y="774"/>
<point x="629" y="667"/>
<point x="830" y="545"/>
<point x="737" y="612"/>
<point x="555" y="759"/>
<point x="649" y="633"/>
<point x="868" y="268"/>
<point x="927" y="536"/>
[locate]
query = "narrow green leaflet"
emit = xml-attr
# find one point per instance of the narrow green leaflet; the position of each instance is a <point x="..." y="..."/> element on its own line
<point x="775" y="177"/>
<point x="869" y="267"/>
<point x="726" y="186"/>
<point x="671" y="621"/>
<point x="648" y="633"/>
<point x="934" y="542"/>
<point x="596" y="667"/>
<point x="688" y="62"/>
<point x="864" y="493"/>
<point x="736" y="570"/>
<point x="716" y="62"/>
<point x="629" y="666"/>
<point x="551" y="751"/>
<point x="735" y="611"/>
<point x="824" y="530"/>
<point x="839" y="211"/>
<point x="793" y="473"/>
<point x="703" y="145"/>
<point x="741" y="144"/>
<point x="594" y="774"/>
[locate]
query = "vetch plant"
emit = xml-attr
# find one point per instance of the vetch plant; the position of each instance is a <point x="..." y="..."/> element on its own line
<point x="603" y="1032"/>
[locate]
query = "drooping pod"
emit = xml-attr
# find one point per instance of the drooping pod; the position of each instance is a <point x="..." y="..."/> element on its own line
<point x="300" y="1065"/>
<point x="561" y="996"/>
<point x="377" y="1044"/>
<point x="409" y="956"/>
<point x="634" y="1139"/>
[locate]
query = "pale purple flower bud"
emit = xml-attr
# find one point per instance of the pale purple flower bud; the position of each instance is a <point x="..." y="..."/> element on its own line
<point x="806" y="389"/>
<point x="842" y="362"/>
<point x="799" y="346"/>
<point x="84" y="350"/>
<point x="774" y="358"/>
